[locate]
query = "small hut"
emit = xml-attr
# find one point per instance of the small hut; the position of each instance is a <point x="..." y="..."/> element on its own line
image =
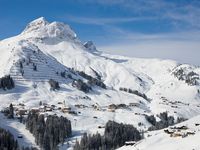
<point x="66" y="109"/>
<point x="96" y="106"/>
<point x="21" y="112"/>
<point x="134" y="104"/>
<point x="176" y="134"/>
<point x="130" y="143"/>
<point x="35" y="110"/>
<point x="112" y="108"/>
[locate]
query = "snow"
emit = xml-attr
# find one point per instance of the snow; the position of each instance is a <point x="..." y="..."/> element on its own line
<point x="160" y="140"/>
<point x="16" y="128"/>
<point x="42" y="29"/>
<point x="90" y="46"/>
<point x="54" y="47"/>
<point x="35" y="25"/>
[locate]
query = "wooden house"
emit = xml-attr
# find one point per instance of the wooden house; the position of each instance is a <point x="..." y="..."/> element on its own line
<point x="134" y="104"/>
<point x="130" y="143"/>
<point x="35" y="110"/>
<point x="112" y="108"/>
<point x="66" y="109"/>
<point x="21" y="112"/>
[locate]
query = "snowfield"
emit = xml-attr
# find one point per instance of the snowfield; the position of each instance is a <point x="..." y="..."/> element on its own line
<point x="160" y="140"/>
<point x="54" y="48"/>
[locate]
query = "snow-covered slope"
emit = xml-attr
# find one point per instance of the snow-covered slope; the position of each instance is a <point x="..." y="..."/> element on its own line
<point x="185" y="139"/>
<point x="44" y="50"/>
<point x="16" y="129"/>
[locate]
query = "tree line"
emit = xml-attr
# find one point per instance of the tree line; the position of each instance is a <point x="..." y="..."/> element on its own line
<point x="7" y="141"/>
<point x="165" y="121"/>
<point x="134" y="92"/>
<point x="48" y="132"/>
<point x="115" y="135"/>
<point x="7" y="83"/>
<point x="91" y="80"/>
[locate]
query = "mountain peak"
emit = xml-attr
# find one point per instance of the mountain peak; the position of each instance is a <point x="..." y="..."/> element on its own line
<point x="89" y="45"/>
<point x="36" y="24"/>
<point x="44" y="29"/>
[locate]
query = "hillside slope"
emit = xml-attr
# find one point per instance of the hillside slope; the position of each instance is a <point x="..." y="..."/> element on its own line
<point x="45" y="51"/>
<point x="181" y="140"/>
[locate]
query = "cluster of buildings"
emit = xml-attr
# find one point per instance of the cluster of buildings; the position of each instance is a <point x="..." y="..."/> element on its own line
<point x="182" y="131"/>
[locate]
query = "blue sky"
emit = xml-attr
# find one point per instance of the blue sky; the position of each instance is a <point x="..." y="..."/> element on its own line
<point x="168" y="29"/>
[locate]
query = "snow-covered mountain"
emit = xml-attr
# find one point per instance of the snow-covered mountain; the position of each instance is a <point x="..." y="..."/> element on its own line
<point x="45" y="51"/>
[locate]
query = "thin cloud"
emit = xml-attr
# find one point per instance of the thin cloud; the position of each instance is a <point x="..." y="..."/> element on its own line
<point x="181" y="51"/>
<point x="186" y="12"/>
<point x="187" y="15"/>
<point x="181" y="42"/>
<point x="105" y="21"/>
<point x="183" y="46"/>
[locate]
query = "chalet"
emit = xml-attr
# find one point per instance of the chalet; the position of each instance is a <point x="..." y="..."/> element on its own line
<point x="80" y="106"/>
<point x="35" y="110"/>
<point x="137" y="113"/>
<point x="112" y="108"/>
<point x="168" y="131"/>
<point x="176" y="134"/>
<point x="96" y="107"/>
<point x="190" y="133"/>
<point x="101" y="127"/>
<point x="184" y="135"/>
<point x="130" y="143"/>
<point x="181" y="128"/>
<point x="19" y="136"/>
<point x="72" y="112"/>
<point x="121" y="106"/>
<point x="45" y="108"/>
<point x="134" y="104"/>
<point x="48" y="109"/>
<point x="66" y="109"/>
<point x="21" y="104"/>
<point x="53" y="107"/>
<point x="174" y="106"/>
<point x="21" y="112"/>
